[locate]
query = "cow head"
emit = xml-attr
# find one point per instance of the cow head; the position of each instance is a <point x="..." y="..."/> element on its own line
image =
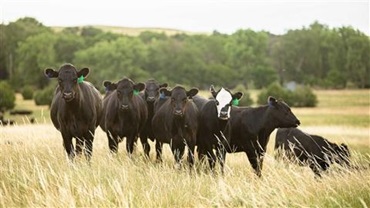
<point x="179" y="98"/>
<point x="126" y="89"/>
<point x="68" y="79"/>
<point x="281" y="113"/>
<point x="152" y="90"/>
<point x="224" y="99"/>
<point x="342" y="153"/>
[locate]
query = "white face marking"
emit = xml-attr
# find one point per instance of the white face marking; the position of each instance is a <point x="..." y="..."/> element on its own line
<point x="224" y="98"/>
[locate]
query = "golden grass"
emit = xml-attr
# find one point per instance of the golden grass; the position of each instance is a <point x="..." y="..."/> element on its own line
<point x="35" y="172"/>
<point x="135" y="31"/>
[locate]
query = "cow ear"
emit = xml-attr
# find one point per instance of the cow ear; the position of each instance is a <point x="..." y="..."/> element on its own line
<point x="139" y="86"/>
<point x="51" y="73"/>
<point x="163" y="85"/>
<point x="237" y="95"/>
<point x="192" y="92"/>
<point x="83" y="72"/>
<point x="344" y="146"/>
<point x="109" y="85"/>
<point x="271" y="101"/>
<point x="213" y="91"/>
<point x="165" y="92"/>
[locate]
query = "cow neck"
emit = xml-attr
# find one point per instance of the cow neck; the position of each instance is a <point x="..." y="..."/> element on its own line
<point x="222" y="124"/>
<point x="179" y="123"/>
<point x="75" y="104"/>
<point x="262" y="119"/>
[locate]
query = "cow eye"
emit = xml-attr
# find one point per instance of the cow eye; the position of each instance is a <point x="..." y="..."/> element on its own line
<point x="217" y="103"/>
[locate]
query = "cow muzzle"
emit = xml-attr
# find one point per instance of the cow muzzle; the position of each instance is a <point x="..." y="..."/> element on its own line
<point x="124" y="107"/>
<point x="178" y="113"/>
<point x="68" y="96"/>
<point x="297" y="123"/>
<point x="223" y="115"/>
<point x="150" y="99"/>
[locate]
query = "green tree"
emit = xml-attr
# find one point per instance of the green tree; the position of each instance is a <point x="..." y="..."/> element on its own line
<point x="14" y="33"/>
<point x="66" y="44"/>
<point x="247" y="50"/>
<point x="35" y="53"/>
<point x="7" y="96"/>
<point x="114" y="60"/>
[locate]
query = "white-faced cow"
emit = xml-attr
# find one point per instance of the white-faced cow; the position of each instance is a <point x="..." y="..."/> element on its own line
<point x="250" y="129"/>
<point x="124" y="113"/>
<point x="315" y="151"/>
<point x="214" y="116"/>
<point x="76" y="108"/>
<point x="150" y="95"/>
<point x="176" y="123"/>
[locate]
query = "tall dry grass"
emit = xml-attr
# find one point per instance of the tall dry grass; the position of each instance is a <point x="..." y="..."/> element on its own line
<point x="35" y="172"/>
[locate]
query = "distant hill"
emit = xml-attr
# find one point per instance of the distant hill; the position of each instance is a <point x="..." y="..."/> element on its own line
<point x="132" y="31"/>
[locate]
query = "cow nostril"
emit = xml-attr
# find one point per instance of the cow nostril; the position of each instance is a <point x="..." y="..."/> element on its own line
<point x="178" y="112"/>
<point x="67" y="93"/>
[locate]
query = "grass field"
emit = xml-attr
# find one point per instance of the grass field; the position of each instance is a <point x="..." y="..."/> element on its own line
<point x="135" y="31"/>
<point x="34" y="170"/>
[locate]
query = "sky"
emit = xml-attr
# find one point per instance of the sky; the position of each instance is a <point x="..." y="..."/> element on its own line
<point x="275" y="16"/>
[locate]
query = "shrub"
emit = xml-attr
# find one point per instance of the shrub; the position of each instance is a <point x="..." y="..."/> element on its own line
<point x="44" y="96"/>
<point x="27" y="93"/>
<point x="302" y="96"/>
<point x="246" y="99"/>
<point x="275" y="90"/>
<point x="7" y="96"/>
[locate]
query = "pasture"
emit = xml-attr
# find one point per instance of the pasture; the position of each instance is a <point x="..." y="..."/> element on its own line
<point x="35" y="172"/>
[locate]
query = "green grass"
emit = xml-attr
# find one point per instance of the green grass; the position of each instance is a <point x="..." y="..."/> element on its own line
<point x="35" y="172"/>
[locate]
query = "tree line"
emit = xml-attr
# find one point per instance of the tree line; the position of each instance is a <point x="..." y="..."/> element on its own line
<point x="317" y="56"/>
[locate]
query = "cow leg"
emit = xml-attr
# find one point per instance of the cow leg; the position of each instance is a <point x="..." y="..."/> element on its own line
<point x="191" y="147"/>
<point x="79" y="145"/>
<point x="158" y="149"/>
<point x="130" y="144"/>
<point x="68" y="145"/>
<point x="263" y="140"/>
<point x="221" y="155"/>
<point x="89" y="139"/>
<point x="252" y="154"/>
<point x="314" y="167"/>
<point x="145" y="144"/>
<point x="178" y="150"/>
<point x="112" y="142"/>
<point x="200" y="153"/>
<point x="211" y="157"/>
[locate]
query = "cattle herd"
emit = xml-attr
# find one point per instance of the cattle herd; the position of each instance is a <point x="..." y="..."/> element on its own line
<point x="183" y="119"/>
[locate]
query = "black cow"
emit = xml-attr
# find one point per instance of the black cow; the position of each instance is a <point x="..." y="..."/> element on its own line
<point x="250" y="129"/>
<point x="76" y="108"/>
<point x="214" y="116"/>
<point x="176" y="123"/>
<point x="313" y="150"/>
<point x="124" y="113"/>
<point x="150" y="95"/>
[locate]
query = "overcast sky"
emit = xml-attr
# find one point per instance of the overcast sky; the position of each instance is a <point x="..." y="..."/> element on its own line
<point x="193" y="15"/>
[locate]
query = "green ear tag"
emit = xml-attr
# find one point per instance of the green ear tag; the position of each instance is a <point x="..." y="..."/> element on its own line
<point x="136" y="92"/>
<point x="80" y="79"/>
<point x="235" y="102"/>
